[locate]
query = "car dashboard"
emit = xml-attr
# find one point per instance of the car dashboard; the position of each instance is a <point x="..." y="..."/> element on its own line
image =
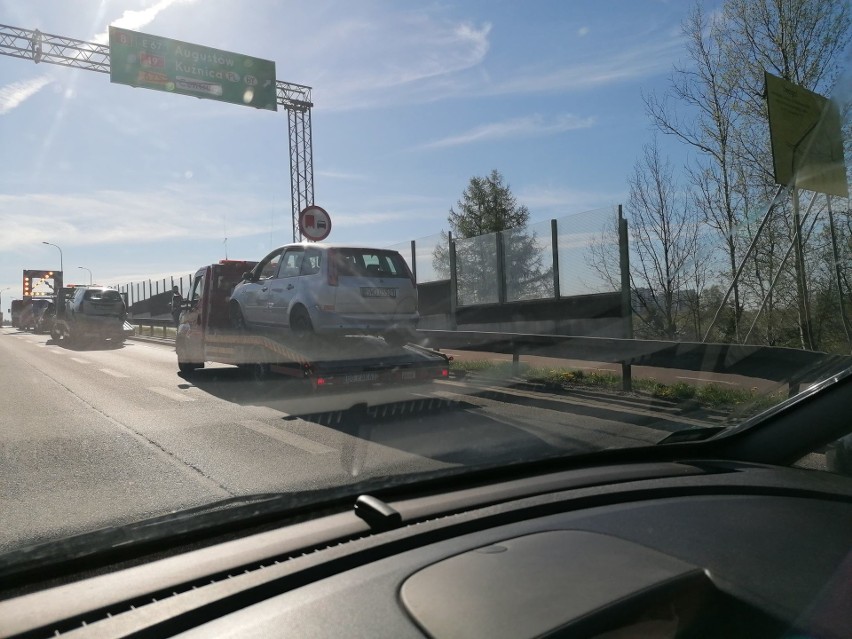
<point x="665" y="549"/>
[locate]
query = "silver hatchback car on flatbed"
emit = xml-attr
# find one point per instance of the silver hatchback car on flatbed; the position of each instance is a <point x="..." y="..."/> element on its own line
<point x="327" y="288"/>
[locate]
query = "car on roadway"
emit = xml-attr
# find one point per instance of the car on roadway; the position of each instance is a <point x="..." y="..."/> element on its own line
<point x="45" y="316"/>
<point x="326" y="288"/>
<point x="92" y="313"/>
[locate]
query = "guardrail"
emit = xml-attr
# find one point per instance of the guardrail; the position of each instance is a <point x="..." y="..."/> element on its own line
<point x="791" y="366"/>
<point x="151" y="323"/>
<point x="787" y="365"/>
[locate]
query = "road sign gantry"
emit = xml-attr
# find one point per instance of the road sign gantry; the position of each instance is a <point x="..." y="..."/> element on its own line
<point x="48" y="48"/>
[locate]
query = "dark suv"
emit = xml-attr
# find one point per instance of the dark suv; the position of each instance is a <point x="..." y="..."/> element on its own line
<point x="93" y="313"/>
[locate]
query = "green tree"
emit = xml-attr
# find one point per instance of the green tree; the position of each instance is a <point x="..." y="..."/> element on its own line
<point x="487" y="206"/>
<point x="707" y="125"/>
<point x="716" y="106"/>
<point x="669" y="259"/>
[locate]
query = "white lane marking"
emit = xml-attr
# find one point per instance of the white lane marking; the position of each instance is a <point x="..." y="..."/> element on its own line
<point x="709" y="381"/>
<point x="291" y="439"/>
<point x="172" y="394"/>
<point x="81" y="360"/>
<point x="109" y="371"/>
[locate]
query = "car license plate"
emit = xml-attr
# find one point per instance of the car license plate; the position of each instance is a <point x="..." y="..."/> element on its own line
<point x="373" y="291"/>
<point x="357" y="378"/>
<point x="409" y="374"/>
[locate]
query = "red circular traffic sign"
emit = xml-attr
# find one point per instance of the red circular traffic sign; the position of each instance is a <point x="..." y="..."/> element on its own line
<point x="314" y="223"/>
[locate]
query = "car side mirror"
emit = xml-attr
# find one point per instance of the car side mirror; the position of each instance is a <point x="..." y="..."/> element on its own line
<point x="248" y="276"/>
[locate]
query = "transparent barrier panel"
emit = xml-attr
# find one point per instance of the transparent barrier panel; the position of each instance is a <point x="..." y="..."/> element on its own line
<point x="476" y="270"/>
<point x="432" y="258"/>
<point x="587" y="246"/>
<point x="528" y="260"/>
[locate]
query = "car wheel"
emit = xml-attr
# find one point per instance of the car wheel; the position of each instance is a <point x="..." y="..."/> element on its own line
<point x="300" y="321"/>
<point x="257" y="365"/>
<point x="238" y="321"/>
<point x="259" y="372"/>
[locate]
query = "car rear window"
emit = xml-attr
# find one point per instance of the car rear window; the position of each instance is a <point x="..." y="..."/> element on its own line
<point x="371" y="263"/>
<point x="102" y="296"/>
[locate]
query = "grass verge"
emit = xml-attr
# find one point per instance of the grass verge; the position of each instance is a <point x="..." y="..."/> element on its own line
<point x="706" y="395"/>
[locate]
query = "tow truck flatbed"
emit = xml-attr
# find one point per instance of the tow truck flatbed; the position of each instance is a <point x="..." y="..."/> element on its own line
<point x="204" y="335"/>
<point x="328" y="361"/>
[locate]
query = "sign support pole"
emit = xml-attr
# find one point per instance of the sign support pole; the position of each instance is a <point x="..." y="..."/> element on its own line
<point x="740" y="268"/>
<point x="801" y="283"/>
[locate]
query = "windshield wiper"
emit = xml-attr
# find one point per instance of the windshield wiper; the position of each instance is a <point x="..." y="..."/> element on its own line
<point x="698" y="434"/>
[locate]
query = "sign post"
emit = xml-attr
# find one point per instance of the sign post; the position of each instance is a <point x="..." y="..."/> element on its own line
<point x="151" y="62"/>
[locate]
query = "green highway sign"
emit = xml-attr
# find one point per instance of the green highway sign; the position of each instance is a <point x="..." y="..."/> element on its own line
<point x="163" y="64"/>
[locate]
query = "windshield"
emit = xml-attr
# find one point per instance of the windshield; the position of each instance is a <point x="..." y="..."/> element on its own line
<point x="578" y="227"/>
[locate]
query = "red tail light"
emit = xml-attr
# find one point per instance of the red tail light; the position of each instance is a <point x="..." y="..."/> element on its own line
<point x="445" y="372"/>
<point x="332" y="267"/>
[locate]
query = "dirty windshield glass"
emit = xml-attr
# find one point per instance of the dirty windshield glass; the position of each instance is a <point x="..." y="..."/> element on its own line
<point x="351" y="245"/>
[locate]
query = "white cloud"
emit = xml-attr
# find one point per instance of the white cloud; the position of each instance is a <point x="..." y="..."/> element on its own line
<point x="390" y="211"/>
<point x="396" y="59"/>
<point x="626" y="65"/>
<point x="15" y="94"/>
<point x="178" y="211"/>
<point x="115" y="217"/>
<point x="557" y="201"/>
<point x="528" y="126"/>
<point x="341" y="175"/>
<point x="364" y="63"/>
<point x="136" y="19"/>
<point x="348" y="220"/>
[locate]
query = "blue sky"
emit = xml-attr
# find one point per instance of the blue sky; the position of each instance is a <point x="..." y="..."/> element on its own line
<point x="411" y="100"/>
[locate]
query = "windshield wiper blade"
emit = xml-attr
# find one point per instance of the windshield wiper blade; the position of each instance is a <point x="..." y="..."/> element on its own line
<point x="691" y="435"/>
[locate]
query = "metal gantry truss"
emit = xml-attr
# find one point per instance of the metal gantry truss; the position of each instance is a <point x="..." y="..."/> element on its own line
<point x="92" y="56"/>
<point x="301" y="164"/>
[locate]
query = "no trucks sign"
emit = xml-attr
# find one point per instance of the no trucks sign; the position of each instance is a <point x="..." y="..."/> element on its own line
<point x="314" y="223"/>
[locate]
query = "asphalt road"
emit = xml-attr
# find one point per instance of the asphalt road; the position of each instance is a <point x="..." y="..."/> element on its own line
<point x="100" y="437"/>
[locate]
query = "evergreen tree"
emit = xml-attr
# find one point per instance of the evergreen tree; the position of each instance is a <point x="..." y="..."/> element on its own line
<point x="487" y="206"/>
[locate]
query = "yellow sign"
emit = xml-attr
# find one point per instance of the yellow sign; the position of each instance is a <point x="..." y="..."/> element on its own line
<point x="807" y="143"/>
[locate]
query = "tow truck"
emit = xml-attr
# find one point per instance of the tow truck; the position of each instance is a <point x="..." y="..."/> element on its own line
<point x="205" y="334"/>
<point x="17" y="309"/>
